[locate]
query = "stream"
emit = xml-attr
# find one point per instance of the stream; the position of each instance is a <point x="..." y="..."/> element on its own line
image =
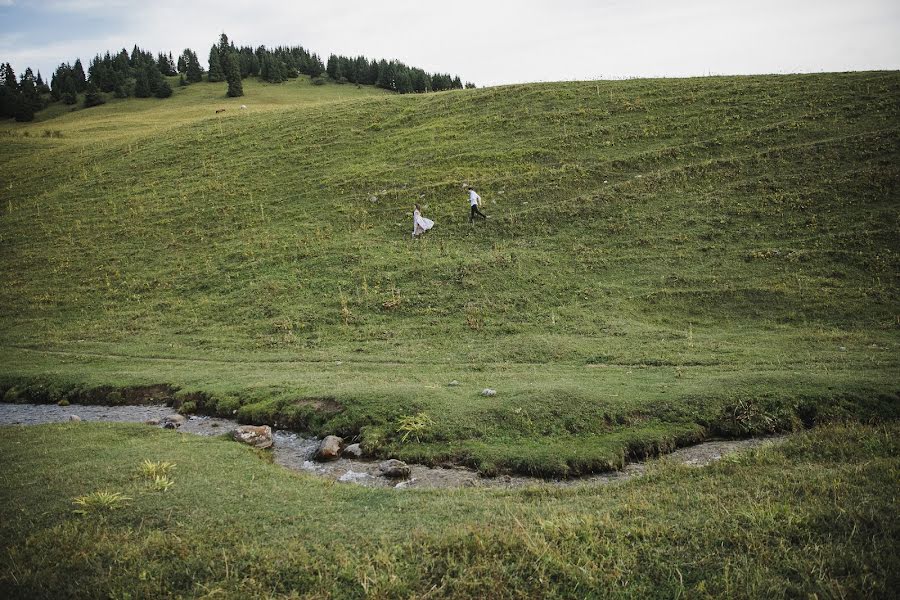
<point x="295" y="451"/>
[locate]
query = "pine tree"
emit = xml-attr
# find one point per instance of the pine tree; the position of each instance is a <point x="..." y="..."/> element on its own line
<point x="162" y="63"/>
<point x="265" y="69"/>
<point x="7" y="102"/>
<point x="182" y="64"/>
<point x="142" y="84"/>
<point x="119" y="90"/>
<point x="194" y="72"/>
<point x="78" y="73"/>
<point x="163" y="90"/>
<point x="92" y="96"/>
<point x="9" y="78"/>
<point x="235" y="86"/>
<point x="69" y="91"/>
<point x="24" y="112"/>
<point x="215" y="66"/>
<point x="43" y="88"/>
<point x="404" y="86"/>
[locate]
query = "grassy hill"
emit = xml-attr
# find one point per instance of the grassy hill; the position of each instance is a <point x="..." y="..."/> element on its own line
<point x="664" y="260"/>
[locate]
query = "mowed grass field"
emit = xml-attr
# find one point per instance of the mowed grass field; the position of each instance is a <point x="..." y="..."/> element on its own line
<point x="665" y="260"/>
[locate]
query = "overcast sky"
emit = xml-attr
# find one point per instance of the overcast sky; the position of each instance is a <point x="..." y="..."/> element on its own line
<point x="485" y="41"/>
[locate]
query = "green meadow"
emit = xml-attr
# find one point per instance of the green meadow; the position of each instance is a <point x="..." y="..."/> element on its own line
<point x="814" y="517"/>
<point x="664" y="261"/>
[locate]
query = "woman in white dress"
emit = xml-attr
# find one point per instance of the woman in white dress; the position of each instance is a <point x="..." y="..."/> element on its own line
<point x="420" y="223"/>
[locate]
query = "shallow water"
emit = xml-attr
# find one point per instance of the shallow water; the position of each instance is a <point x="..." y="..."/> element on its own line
<point x="296" y="451"/>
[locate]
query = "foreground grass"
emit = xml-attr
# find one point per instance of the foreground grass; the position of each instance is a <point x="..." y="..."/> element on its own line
<point x="665" y="260"/>
<point x="813" y="517"/>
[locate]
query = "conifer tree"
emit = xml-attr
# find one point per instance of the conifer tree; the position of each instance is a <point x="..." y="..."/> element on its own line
<point x="265" y="68"/>
<point x="119" y="90"/>
<point x="78" y="74"/>
<point x="235" y="86"/>
<point x="194" y="72"/>
<point x="92" y="96"/>
<point x="9" y="77"/>
<point x="7" y="102"/>
<point x="182" y="64"/>
<point x="215" y="66"/>
<point x="163" y="90"/>
<point x="164" y="64"/>
<point x="404" y="86"/>
<point x="24" y="111"/>
<point x="142" y="84"/>
<point x="42" y="86"/>
<point x="69" y="91"/>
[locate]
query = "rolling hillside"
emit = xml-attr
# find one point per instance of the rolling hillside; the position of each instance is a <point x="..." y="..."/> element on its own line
<point x="664" y="260"/>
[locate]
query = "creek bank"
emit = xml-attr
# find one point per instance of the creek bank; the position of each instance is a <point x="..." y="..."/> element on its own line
<point x="297" y="452"/>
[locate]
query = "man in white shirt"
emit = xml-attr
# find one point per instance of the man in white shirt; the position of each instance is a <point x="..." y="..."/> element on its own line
<point x="475" y="202"/>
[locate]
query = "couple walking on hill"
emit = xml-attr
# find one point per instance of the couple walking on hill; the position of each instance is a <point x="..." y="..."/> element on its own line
<point x="421" y="224"/>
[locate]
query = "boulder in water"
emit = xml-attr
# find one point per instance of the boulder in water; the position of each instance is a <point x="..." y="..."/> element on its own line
<point x="258" y="437"/>
<point x="394" y="468"/>
<point x="75" y="418"/>
<point x="330" y="448"/>
<point x="353" y="451"/>
<point x="173" y="421"/>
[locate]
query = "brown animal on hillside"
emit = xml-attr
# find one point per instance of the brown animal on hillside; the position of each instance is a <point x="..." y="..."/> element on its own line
<point x="220" y="110"/>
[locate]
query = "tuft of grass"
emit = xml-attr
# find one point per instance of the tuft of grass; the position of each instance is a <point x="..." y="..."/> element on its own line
<point x="100" y="502"/>
<point x="155" y="469"/>
<point x="414" y="426"/>
<point x="162" y="483"/>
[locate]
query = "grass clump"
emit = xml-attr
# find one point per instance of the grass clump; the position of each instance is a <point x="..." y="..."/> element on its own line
<point x="158" y="474"/>
<point x="414" y="426"/>
<point x="151" y="470"/>
<point x="100" y="502"/>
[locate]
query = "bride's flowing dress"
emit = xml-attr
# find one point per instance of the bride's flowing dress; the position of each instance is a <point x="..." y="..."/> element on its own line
<point x="421" y="224"/>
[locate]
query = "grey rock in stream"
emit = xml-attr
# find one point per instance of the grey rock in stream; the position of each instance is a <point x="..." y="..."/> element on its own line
<point x="330" y="448"/>
<point x="173" y="421"/>
<point x="258" y="437"/>
<point x="394" y="468"/>
<point x="353" y="451"/>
